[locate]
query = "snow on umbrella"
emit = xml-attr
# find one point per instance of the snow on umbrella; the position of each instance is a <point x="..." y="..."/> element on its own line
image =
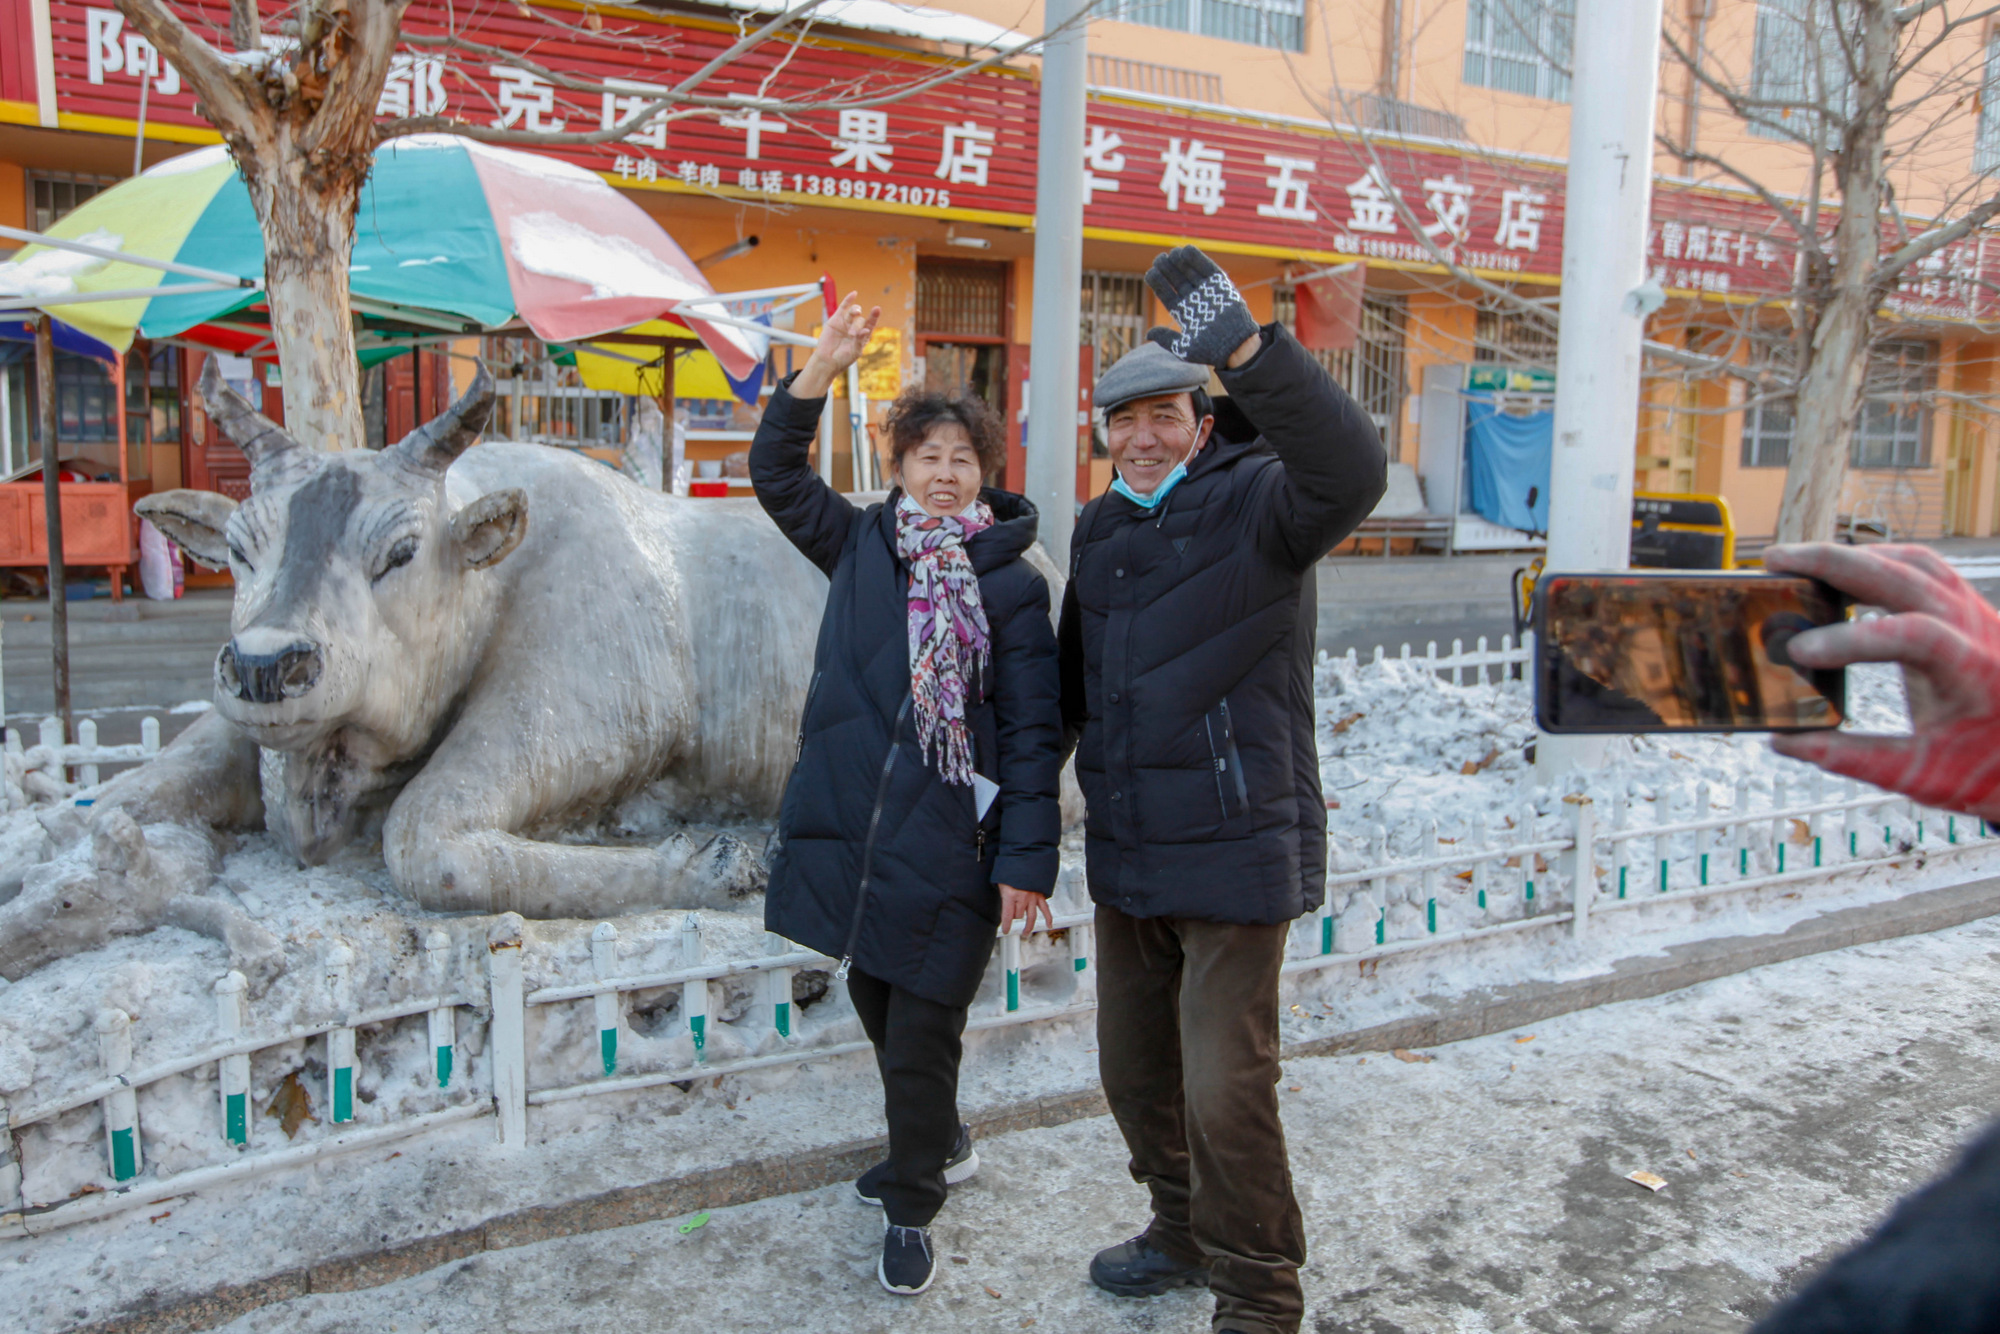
<point x="466" y="230"/>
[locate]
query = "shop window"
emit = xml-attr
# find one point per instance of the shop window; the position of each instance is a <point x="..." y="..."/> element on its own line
<point x="1115" y="310"/>
<point x="55" y="194"/>
<point x="1896" y="420"/>
<point x="1274" y="23"/>
<point x="1520" y="46"/>
<point x="1767" y="433"/>
<point x="1372" y="371"/>
<point x="541" y="398"/>
<point x="1513" y="337"/>
<point x="1797" y="61"/>
<point x="17" y="435"/>
<point x="961" y="300"/>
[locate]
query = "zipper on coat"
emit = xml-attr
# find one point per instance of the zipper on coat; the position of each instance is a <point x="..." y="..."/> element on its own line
<point x="1235" y="759"/>
<point x="1217" y="762"/>
<point x="806" y="717"/>
<point x="868" y="846"/>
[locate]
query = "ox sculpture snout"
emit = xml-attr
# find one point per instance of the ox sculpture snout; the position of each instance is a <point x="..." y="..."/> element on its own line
<point x="268" y="678"/>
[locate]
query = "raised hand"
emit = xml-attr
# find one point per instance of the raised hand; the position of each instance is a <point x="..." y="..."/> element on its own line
<point x="841" y="340"/>
<point x="1217" y="328"/>
<point x="1947" y="639"/>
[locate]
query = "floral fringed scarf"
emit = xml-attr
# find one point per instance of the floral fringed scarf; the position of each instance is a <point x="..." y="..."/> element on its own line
<point x="948" y="632"/>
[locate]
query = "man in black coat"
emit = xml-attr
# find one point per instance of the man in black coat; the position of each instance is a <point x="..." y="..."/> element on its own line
<point x="1187" y="654"/>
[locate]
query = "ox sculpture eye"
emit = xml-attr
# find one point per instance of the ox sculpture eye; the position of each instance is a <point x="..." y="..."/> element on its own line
<point x="236" y="554"/>
<point x="399" y="555"/>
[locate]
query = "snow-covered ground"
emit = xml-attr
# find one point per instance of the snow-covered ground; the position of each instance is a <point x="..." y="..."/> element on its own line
<point x="1399" y="746"/>
<point x="1479" y="1190"/>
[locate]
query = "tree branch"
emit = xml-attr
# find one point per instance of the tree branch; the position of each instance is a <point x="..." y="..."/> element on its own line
<point x="211" y="74"/>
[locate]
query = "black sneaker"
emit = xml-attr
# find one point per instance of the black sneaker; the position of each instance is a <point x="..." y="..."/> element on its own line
<point x="908" y="1263"/>
<point x="1136" y="1268"/>
<point x="961" y="1166"/>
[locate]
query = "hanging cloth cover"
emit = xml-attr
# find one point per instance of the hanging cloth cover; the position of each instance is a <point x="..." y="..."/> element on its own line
<point x="1508" y="457"/>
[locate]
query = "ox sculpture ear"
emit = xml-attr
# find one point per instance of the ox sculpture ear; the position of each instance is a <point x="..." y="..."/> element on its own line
<point x="491" y="527"/>
<point x="432" y="447"/>
<point x="195" y="519"/>
<point x="261" y="439"/>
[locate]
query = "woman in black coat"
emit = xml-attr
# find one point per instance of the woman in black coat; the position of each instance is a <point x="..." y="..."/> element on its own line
<point x="922" y="814"/>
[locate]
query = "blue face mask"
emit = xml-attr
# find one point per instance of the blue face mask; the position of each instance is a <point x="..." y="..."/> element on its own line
<point x="1148" y="503"/>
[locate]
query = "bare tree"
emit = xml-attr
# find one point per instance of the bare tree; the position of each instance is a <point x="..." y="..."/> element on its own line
<point x="1869" y="93"/>
<point x="297" y="109"/>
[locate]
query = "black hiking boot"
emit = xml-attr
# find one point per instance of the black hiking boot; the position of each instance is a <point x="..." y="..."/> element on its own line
<point x="1136" y="1268"/>
<point x="908" y="1263"/>
<point x="961" y="1166"/>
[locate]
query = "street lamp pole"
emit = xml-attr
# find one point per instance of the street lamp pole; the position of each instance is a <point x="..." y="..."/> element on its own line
<point x="1605" y="300"/>
<point x="1053" y="337"/>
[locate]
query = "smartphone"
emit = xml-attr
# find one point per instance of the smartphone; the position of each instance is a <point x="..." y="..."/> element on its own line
<point x="1673" y="651"/>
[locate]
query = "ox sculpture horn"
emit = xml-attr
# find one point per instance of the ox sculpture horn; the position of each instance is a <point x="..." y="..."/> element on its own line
<point x="261" y="439"/>
<point x="432" y="447"/>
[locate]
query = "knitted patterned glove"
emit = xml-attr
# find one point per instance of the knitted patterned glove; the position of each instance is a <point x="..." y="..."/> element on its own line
<point x="1948" y="640"/>
<point x="1214" y="321"/>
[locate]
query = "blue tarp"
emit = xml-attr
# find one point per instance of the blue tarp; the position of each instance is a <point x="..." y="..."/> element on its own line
<point x="1508" y="456"/>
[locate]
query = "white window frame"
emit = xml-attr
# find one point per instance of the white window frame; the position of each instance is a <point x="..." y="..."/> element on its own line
<point x="1520" y="46"/>
<point x="1277" y="24"/>
<point x="1986" y="144"/>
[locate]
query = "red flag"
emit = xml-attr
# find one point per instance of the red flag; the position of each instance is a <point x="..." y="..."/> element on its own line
<point x="1329" y="306"/>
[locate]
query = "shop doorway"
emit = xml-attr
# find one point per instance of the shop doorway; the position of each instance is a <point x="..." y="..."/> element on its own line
<point x="963" y="316"/>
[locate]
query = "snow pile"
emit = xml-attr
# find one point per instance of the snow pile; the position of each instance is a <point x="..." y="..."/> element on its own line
<point x="1399" y="746"/>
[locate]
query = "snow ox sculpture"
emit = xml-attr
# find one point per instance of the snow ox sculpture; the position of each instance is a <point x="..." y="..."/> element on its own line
<point x="492" y="644"/>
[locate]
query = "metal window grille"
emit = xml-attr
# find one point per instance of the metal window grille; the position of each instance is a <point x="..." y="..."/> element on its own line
<point x="1767" y="433"/>
<point x="1986" y="148"/>
<point x="1142" y="76"/>
<point x="1520" y="46"/>
<point x="544" y="401"/>
<point x="966" y="300"/>
<point x="1896" y="420"/>
<point x="1796" y="57"/>
<point x="1114" y="316"/>
<point x="1373" y="371"/>
<point x="1274" y="23"/>
<point x="57" y="193"/>
<point x="1513" y="337"/>
<point x="1392" y="115"/>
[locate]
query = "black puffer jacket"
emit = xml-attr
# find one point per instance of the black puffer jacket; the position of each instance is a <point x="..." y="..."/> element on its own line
<point x="864" y="808"/>
<point x="1187" y="653"/>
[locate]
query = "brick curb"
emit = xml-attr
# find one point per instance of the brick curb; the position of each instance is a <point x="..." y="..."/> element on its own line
<point x="740" y="1183"/>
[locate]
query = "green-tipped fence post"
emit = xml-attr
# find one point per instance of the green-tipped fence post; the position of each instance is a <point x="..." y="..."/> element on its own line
<point x="1580" y="862"/>
<point x="1621" y="849"/>
<point x="443" y="1021"/>
<point x="1704" y="839"/>
<point x="1430" y="847"/>
<point x="778" y="986"/>
<point x="1482" y="841"/>
<point x="340" y="1041"/>
<point x="1524" y="833"/>
<point x="1378" y="888"/>
<point x="1010" y="967"/>
<point x="694" y="992"/>
<point x="604" y="967"/>
<point x="1663" y="844"/>
<point x="232" y="1072"/>
<point x="1780" y="795"/>
<point x="1739" y="806"/>
<point x="121" y="1105"/>
<point x="1850" y="827"/>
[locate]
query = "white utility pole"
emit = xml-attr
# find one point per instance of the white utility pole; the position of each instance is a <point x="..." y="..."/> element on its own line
<point x="1053" y="336"/>
<point x="1605" y="300"/>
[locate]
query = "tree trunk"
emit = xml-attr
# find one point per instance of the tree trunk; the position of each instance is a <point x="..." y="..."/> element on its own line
<point x="308" y="227"/>
<point x="1832" y="380"/>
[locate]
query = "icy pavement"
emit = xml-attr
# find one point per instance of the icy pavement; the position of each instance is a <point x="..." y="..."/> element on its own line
<point x="1478" y="1188"/>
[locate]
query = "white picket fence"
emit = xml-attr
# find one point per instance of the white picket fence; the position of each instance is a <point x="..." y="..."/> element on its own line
<point x="52" y="757"/>
<point x="1565" y="871"/>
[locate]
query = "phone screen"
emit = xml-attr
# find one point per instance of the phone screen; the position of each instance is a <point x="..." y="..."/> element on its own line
<point x="1681" y="653"/>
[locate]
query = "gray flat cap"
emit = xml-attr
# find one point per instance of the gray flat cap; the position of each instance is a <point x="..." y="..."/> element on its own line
<point x="1146" y="370"/>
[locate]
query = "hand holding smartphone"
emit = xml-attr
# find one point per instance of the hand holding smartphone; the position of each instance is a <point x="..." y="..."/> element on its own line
<point x="1673" y="651"/>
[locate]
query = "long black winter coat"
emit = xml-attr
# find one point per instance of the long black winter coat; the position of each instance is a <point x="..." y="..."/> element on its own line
<point x="879" y="858"/>
<point x="1187" y="653"/>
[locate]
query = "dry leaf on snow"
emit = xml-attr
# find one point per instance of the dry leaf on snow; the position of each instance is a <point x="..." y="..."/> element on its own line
<point x="1347" y="722"/>
<point x="1413" y="1057"/>
<point x="1648" y="1180"/>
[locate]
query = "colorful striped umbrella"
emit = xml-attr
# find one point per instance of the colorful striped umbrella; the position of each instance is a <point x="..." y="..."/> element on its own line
<point x="450" y="234"/>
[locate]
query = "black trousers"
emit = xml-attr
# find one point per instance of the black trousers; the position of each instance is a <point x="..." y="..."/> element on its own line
<point x="917" y="1046"/>
<point x="1187" y="1037"/>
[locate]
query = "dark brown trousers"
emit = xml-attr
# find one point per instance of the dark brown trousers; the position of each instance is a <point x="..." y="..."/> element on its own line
<point x="1187" y="1035"/>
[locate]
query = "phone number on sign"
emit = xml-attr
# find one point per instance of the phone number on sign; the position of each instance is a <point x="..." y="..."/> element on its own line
<point x="849" y="187"/>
